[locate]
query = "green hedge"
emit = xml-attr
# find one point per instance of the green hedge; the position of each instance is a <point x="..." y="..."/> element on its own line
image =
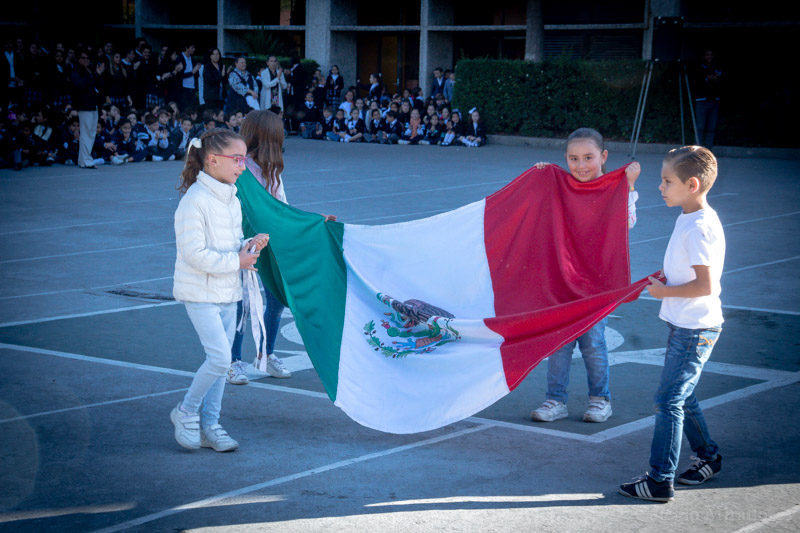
<point x="553" y="98"/>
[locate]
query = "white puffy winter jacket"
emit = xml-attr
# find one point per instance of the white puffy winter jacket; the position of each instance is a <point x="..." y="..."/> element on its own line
<point x="208" y="234"/>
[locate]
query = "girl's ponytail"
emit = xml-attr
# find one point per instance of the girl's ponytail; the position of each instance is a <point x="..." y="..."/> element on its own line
<point x="212" y="141"/>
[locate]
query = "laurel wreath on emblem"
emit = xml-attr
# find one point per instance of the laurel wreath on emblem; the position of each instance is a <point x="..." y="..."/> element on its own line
<point x="417" y="327"/>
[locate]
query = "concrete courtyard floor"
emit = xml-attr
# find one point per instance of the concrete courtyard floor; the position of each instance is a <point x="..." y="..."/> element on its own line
<point x="94" y="354"/>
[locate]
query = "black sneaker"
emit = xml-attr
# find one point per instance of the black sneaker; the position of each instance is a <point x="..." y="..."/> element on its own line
<point x="646" y="488"/>
<point x="700" y="471"/>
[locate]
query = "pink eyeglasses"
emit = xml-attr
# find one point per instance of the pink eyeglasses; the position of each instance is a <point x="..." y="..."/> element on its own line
<point x="240" y="159"/>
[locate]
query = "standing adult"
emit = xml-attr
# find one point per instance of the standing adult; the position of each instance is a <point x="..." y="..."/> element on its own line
<point x="170" y="71"/>
<point x="297" y="87"/>
<point x="87" y="84"/>
<point x="334" y="85"/>
<point x="34" y="76"/>
<point x="707" y="93"/>
<point x="273" y="83"/>
<point x="147" y="79"/>
<point x="188" y="83"/>
<point x="213" y="80"/>
<point x="438" y="82"/>
<point x="117" y="84"/>
<point x="11" y="75"/>
<point x="242" y="89"/>
<point x="58" y="81"/>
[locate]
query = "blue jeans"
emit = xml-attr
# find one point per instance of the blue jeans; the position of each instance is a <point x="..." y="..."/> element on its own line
<point x="215" y="325"/>
<point x="707" y="114"/>
<point x="595" y="357"/>
<point x="272" y="320"/>
<point x="677" y="408"/>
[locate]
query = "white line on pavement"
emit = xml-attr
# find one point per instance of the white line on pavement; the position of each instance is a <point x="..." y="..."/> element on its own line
<point x="87" y="252"/>
<point x="740" y="307"/>
<point x="777" y="379"/>
<point x="57" y="228"/>
<point x="81" y="315"/>
<point x="87" y="406"/>
<point x="761" y="265"/>
<point x="769" y="520"/>
<point x="726" y="225"/>
<point x="150" y="368"/>
<point x="84" y="289"/>
<point x="286" y="479"/>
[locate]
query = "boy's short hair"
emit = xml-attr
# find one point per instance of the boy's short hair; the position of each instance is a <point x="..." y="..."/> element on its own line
<point x="392" y="114"/>
<point x="73" y="120"/>
<point x="209" y="114"/>
<point x="694" y="162"/>
<point x="101" y="122"/>
<point x="185" y="117"/>
<point x="149" y="120"/>
<point x="163" y="112"/>
<point x="328" y="108"/>
<point x="123" y="122"/>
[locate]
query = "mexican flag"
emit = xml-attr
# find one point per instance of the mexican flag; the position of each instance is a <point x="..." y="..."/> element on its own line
<point x="415" y="325"/>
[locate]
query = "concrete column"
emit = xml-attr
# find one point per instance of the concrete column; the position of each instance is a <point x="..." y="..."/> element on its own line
<point x="343" y="44"/>
<point x="149" y="12"/>
<point x="221" y="26"/>
<point x="318" y="32"/>
<point x="534" y="36"/>
<point x="435" y="47"/>
<point x="653" y="9"/>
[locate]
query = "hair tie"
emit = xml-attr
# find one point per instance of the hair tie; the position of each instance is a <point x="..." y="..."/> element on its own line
<point x="196" y="143"/>
<point x="471" y="111"/>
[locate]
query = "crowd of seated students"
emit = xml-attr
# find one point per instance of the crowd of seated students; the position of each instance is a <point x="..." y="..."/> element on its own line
<point x="382" y="118"/>
<point x="153" y="104"/>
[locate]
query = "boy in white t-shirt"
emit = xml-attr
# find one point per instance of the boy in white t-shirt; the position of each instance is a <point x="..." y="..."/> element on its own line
<point x="693" y="311"/>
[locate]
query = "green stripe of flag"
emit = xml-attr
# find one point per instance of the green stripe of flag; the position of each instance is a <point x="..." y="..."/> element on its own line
<point x="317" y="275"/>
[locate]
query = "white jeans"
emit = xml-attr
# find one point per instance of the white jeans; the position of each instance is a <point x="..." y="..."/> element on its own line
<point x="215" y="325"/>
<point x="88" y="121"/>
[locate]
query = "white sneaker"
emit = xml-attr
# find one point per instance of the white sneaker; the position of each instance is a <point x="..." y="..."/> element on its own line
<point x="599" y="410"/>
<point x="237" y="374"/>
<point x="187" y="428"/>
<point x="117" y="160"/>
<point x="157" y="158"/>
<point x="550" y="410"/>
<point x="275" y="367"/>
<point x="171" y="158"/>
<point x="217" y="438"/>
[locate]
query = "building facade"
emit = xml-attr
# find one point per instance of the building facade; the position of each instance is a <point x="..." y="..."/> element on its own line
<point x="404" y="41"/>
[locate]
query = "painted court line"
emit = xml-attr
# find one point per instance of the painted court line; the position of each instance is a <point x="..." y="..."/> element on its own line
<point x="796" y="257"/>
<point x="739" y="307"/>
<point x="662" y="204"/>
<point x="780" y="379"/>
<point x="286" y="479"/>
<point x="55" y="228"/>
<point x="150" y="368"/>
<point x="87" y="406"/>
<point x="727" y="225"/>
<point x="655" y="357"/>
<point x="84" y="289"/>
<point x="777" y="517"/>
<point x="81" y="315"/>
<point x="87" y="252"/>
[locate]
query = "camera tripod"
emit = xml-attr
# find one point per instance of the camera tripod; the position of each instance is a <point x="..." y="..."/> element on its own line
<point x="683" y="78"/>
